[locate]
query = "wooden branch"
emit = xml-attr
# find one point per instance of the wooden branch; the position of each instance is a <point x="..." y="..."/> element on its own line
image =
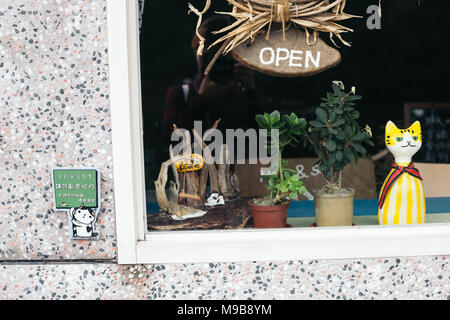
<point x="281" y="197"/>
<point x="216" y="56"/>
<point x="182" y="182"/>
<point x="174" y="169"/>
<point x="192" y="182"/>
<point x="213" y="175"/>
<point x="163" y="202"/>
<point x="203" y="182"/>
<point x="188" y="196"/>
<point x="222" y="169"/>
<point x="215" y="126"/>
<point x="228" y="180"/>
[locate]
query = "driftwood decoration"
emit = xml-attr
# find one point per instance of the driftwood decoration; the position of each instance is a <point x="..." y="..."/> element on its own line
<point x="187" y="176"/>
<point x="191" y="175"/>
<point x="222" y="179"/>
<point x="233" y="215"/>
<point x="209" y="164"/>
<point x="160" y="185"/>
<point x="255" y="16"/>
<point x="174" y="187"/>
<point x="228" y="181"/>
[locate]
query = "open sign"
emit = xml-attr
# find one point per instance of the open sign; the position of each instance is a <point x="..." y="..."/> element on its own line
<point x="290" y="57"/>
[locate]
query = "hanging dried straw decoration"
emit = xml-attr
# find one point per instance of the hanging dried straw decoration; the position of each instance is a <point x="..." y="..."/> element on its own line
<point x="254" y="15"/>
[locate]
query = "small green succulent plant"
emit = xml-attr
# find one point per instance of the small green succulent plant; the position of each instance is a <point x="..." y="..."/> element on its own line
<point x="285" y="184"/>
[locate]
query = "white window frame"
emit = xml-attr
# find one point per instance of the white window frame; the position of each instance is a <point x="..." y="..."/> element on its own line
<point x="136" y="246"/>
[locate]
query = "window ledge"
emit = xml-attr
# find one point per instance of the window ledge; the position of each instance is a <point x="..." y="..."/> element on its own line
<point x="294" y="244"/>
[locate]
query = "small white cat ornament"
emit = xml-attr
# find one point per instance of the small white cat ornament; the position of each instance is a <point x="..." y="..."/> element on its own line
<point x="402" y="197"/>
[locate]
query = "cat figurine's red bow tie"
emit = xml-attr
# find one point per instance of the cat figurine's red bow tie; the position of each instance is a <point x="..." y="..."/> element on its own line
<point x="394" y="175"/>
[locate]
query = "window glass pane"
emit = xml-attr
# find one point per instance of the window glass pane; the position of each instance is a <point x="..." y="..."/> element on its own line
<point x="401" y="62"/>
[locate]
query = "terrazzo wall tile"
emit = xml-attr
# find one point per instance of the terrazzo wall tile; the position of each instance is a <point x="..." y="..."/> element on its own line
<point x="54" y="111"/>
<point x="392" y="278"/>
<point x="407" y="278"/>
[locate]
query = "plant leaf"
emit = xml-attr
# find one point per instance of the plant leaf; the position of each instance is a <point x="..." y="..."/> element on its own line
<point x="331" y="145"/>
<point x="276" y="115"/>
<point x="322" y="115"/>
<point x="360" y="137"/>
<point x="316" y="124"/>
<point x="359" y="148"/>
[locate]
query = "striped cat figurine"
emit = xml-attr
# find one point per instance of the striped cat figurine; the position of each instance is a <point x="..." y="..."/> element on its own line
<point x="402" y="198"/>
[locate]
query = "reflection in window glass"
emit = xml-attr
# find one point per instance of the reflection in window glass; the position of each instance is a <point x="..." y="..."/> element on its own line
<point x="387" y="68"/>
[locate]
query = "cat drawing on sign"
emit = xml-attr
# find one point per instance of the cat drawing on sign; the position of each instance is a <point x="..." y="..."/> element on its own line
<point x="83" y="220"/>
<point x="402" y="197"/>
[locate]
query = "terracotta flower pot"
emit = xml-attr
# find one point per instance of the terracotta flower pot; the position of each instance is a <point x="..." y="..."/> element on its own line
<point x="269" y="216"/>
<point x="335" y="209"/>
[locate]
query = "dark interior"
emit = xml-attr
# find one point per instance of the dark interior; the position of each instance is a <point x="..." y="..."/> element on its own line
<point x="405" y="61"/>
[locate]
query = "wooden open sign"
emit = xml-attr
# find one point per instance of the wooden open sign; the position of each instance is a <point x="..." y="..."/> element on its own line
<point x="289" y="57"/>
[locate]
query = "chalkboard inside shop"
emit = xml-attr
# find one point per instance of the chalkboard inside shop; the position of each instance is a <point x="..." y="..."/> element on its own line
<point x="435" y="121"/>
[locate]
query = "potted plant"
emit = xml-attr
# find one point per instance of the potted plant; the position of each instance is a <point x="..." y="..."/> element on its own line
<point x="284" y="185"/>
<point x="337" y="140"/>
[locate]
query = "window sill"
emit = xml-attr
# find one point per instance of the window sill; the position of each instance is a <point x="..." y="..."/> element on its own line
<point x="294" y="244"/>
<point x="367" y="220"/>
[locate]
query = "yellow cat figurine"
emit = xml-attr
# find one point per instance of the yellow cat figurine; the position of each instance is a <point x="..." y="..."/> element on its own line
<point x="402" y="198"/>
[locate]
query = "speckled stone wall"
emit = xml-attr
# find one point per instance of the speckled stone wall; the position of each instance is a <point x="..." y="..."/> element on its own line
<point x="408" y="278"/>
<point x="54" y="111"/>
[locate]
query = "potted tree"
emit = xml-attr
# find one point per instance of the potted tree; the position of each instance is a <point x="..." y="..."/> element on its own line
<point x="284" y="185"/>
<point x="337" y="140"/>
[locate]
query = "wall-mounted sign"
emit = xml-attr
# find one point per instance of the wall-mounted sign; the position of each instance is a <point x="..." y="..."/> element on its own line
<point x="289" y="57"/>
<point x="77" y="191"/>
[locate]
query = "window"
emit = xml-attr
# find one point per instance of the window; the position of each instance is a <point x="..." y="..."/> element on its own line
<point x="136" y="245"/>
